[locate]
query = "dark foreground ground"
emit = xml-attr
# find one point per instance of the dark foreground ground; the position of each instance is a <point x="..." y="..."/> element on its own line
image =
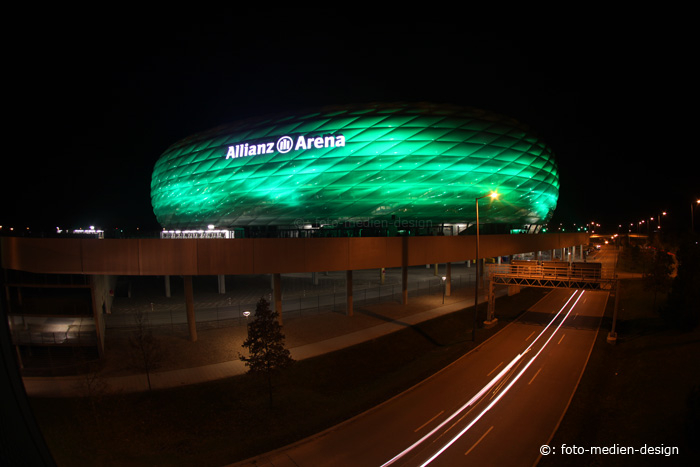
<point x="635" y="393"/>
<point x="642" y="393"/>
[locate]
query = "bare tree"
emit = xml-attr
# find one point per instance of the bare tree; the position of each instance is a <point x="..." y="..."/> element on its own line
<point x="93" y="387"/>
<point x="92" y="408"/>
<point x="658" y="275"/>
<point x="146" y="352"/>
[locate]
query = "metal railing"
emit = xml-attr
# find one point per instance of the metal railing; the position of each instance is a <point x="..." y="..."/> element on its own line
<point x="292" y="306"/>
<point x="556" y="274"/>
<point x="549" y="269"/>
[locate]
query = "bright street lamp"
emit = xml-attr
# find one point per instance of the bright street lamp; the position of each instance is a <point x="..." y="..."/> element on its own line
<point x="493" y="196"/>
<point x="659" y="218"/>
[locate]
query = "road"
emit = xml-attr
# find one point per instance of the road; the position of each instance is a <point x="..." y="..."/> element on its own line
<point x="495" y="406"/>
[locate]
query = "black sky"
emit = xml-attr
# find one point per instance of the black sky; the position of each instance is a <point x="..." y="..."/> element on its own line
<point x="96" y="97"/>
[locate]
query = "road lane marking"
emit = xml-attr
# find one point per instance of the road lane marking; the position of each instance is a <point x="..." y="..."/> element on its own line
<point x="533" y="378"/>
<point x="497" y="367"/>
<point x="479" y="440"/>
<point x="562" y="338"/>
<point x="428" y="422"/>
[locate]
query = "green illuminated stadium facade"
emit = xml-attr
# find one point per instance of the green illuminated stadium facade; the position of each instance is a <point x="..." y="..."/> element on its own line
<point x="356" y="164"/>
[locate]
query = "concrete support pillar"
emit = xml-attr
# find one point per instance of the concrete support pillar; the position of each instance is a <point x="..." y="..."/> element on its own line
<point x="189" y="305"/>
<point x="382" y="275"/>
<point x="277" y="295"/>
<point x="222" y="284"/>
<point x="482" y="263"/>
<point x="97" y="314"/>
<point x="491" y="309"/>
<point x="167" y="286"/>
<point x="612" y="336"/>
<point x="448" y="279"/>
<point x="404" y="285"/>
<point x="404" y="271"/>
<point x="348" y="289"/>
<point x="314" y="278"/>
<point x="435" y="273"/>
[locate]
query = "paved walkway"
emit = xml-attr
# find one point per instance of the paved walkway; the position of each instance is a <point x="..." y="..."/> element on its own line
<point x="71" y="386"/>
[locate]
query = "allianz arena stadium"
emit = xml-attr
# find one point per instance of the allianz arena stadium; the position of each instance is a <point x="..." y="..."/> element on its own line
<point x="351" y="165"/>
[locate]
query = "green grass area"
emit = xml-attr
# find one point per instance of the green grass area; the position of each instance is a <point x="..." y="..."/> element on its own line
<point x="221" y="422"/>
<point x="643" y="390"/>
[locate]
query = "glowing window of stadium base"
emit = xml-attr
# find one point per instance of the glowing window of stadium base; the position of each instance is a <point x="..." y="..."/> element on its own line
<point x="197" y="234"/>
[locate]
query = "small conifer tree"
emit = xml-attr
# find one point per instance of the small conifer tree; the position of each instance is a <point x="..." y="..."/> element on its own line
<point x="265" y="344"/>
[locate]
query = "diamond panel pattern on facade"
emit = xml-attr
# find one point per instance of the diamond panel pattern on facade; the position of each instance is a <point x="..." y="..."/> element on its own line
<point x="413" y="162"/>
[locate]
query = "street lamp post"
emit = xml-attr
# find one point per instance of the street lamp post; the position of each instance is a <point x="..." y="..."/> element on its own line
<point x="443" y="288"/>
<point x="246" y="314"/>
<point x="493" y="195"/>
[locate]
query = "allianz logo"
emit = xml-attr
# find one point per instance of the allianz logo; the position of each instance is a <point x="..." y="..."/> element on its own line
<point x="285" y="144"/>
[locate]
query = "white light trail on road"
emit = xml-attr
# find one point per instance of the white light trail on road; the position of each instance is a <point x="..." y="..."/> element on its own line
<point x="483" y="390"/>
<point x="553" y="319"/>
<point x="510" y="385"/>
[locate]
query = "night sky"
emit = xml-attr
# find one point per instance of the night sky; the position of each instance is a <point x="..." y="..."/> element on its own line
<point x="96" y="97"/>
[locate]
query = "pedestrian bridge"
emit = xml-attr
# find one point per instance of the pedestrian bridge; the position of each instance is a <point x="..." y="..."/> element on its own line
<point x="50" y="268"/>
<point x="556" y="274"/>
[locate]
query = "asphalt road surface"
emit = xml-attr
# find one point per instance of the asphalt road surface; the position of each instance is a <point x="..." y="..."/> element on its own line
<point x="495" y="406"/>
